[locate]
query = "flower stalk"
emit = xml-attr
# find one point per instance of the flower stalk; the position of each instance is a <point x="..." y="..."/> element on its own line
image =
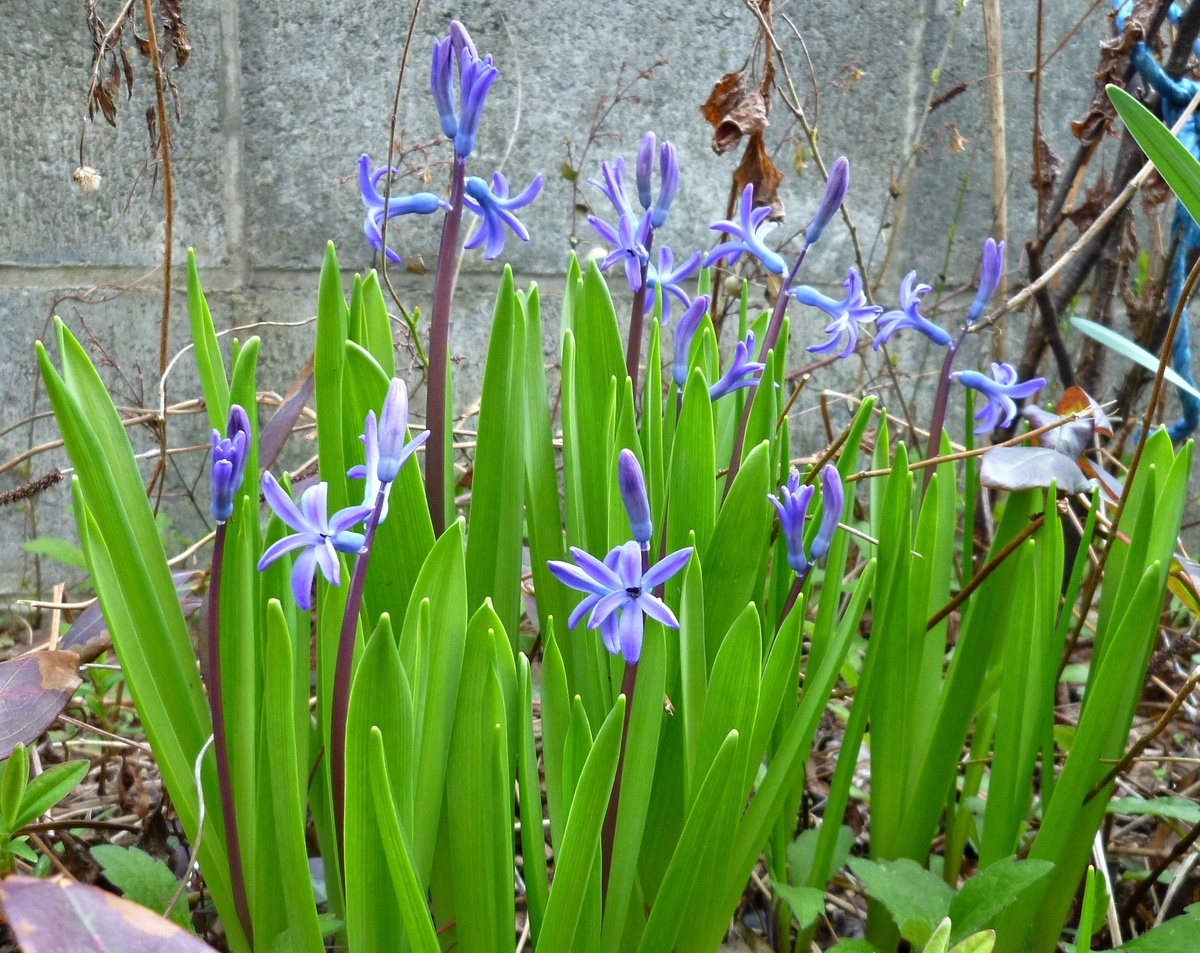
<point x="439" y="338"/>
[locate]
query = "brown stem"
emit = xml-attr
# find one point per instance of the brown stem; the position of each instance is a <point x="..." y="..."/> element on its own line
<point x="439" y="339"/>
<point x="343" y="670"/>
<point x="633" y="353"/>
<point x="794" y="593"/>
<point x="609" y="832"/>
<point x="989" y="567"/>
<point x="233" y="845"/>
<point x="1143" y="742"/>
<point x="1066" y="372"/>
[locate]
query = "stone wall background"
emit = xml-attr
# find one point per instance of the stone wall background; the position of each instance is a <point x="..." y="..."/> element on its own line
<point x="279" y="98"/>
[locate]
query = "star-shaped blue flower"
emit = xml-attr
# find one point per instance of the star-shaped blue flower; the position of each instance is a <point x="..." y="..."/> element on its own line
<point x="496" y="209"/>
<point x="321" y="537"/>
<point x="909" y="316"/>
<point x="618" y="593"/>
<point x="747" y="234"/>
<point x="742" y="372"/>
<point x="847" y="314"/>
<point x="671" y="279"/>
<point x="422" y="203"/>
<point x="1000" y="389"/>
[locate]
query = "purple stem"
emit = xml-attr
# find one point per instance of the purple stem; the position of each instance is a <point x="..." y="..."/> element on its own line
<point x="634" y="351"/>
<point x="794" y="593"/>
<point x="628" y="683"/>
<point x="938" y="420"/>
<point x="769" y="341"/>
<point x="233" y="845"/>
<point x="439" y="337"/>
<point x="343" y="669"/>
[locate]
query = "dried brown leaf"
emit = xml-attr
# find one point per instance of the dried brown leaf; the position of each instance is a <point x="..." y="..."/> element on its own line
<point x="1095" y="199"/>
<point x="726" y="93"/>
<point x="748" y="118"/>
<point x="175" y="37"/>
<point x="1044" y="177"/>
<point x="756" y="167"/>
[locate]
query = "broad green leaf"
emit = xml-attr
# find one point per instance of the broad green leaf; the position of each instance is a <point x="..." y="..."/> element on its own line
<point x="209" y="365"/>
<point x="67" y="553"/>
<point x="143" y="879"/>
<point x="533" y="839"/>
<point x="556" y="719"/>
<point x="807" y="903"/>
<point x="1129" y="350"/>
<point x="637" y="777"/>
<point x="692" y="663"/>
<point x="498" y="493"/>
<point x="697" y="851"/>
<point x="291" y="872"/>
<point x="574" y="863"/>
<point x="738" y="539"/>
<point x="433" y="659"/>
<point x="1177" y="935"/>
<point x="1178" y="808"/>
<point x="377" y="325"/>
<point x="328" y="367"/>
<point x="47" y="789"/>
<point x="802" y="850"/>
<point x="691" y="494"/>
<point x="542" y="511"/>
<point x="983" y="897"/>
<point x="379" y="699"/>
<point x="916" y="899"/>
<point x="418" y="929"/>
<point x="1170" y="157"/>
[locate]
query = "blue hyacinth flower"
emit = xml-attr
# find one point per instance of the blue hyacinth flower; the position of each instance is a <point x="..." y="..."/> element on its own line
<point x="320" y="537"/>
<point x="668" y="173"/>
<point x="385" y="445"/>
<point x="475" y="77"/>
<point x="747" y="234"/>
<point x="742" y="372"/>
<point x="833" y="498"/>
<point x="618" y="594"/>
<point x="989" y="278"/>
<point x="792" y="506"/>
<point x="909" y="316"/>
<point x="671" y="279"/>
<point x="1000" y="389"/>
<point x="229" y="454"/>
<point x="495" y="208"/>
<point x="847" y="314"/>
<point x="628" y="238"/>
<point x="685" y="331"/>
<point x="422" y="203"/>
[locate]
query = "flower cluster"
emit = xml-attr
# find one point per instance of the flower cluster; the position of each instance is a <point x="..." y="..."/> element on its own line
<point x="229" y="454"/>
<point x="322" y="537"/>
<point x="792" y="506"/>
<point x="475" y="78"/>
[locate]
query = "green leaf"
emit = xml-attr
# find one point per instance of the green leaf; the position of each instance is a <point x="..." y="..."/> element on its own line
<point x="807" y="903"/>
<point x="498" y="493"/>
<point x="1172" y="159"/>
<point x="332" y="315"/>
<point x="697" y="850"/>
<point x="692" y="664"/>
<point x="691" y="493"/>
<point x="290" y="872"/>
<point x="533" y="839"/>
<point x="414" y="912"/>
<point x="380" y="700"/>
<point x="12" y="787"/>
<point x="209" y="365"/>
<point x="985" y="896"/>
<point x="916" y="898"/>
<point x="1178" y="808"/>
<point x="1128" y="349"/>
<point x="143" y="879"/>
<point x="1177" y="935"/>
<point x="55" y="548"/>
<point x="801" y="851"/>
<point x="979" y="943"/>
<point x="48" y="788"/>
<point x="574" y="863"/>
<point x="940" y="939"/>
<point x="377" y="325"/>
<point x="738" y="540"/>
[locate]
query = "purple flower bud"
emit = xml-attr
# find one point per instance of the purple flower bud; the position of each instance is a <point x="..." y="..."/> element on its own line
<point x="831" y="201"/>
<point x="632" y="485"/>
<point x="684" y="332"/>
<point x="229" y="463"/>
<point x="441" y="81"/>
<point x="475" y="77"/>
<point x="668" y="184"/>
<point x="792" y="506"/>
<point x="989" y="277"/>
<point x="645" y="166"/>
<point x="461" y="40"/>
<point x="832" y="499"/>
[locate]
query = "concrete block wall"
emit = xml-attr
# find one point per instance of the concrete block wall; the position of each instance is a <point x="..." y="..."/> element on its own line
<point x="279" y="98"/>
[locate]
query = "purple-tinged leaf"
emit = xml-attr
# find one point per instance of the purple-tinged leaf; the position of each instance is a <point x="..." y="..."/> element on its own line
<point x="58" y="915"/>
<point x="275" y="431"/>
<point x="34" y="689"/>
<point x="1027" y="468"/>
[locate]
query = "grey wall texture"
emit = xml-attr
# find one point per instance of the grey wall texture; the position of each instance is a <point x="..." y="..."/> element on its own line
<point x="279" y="98"/>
